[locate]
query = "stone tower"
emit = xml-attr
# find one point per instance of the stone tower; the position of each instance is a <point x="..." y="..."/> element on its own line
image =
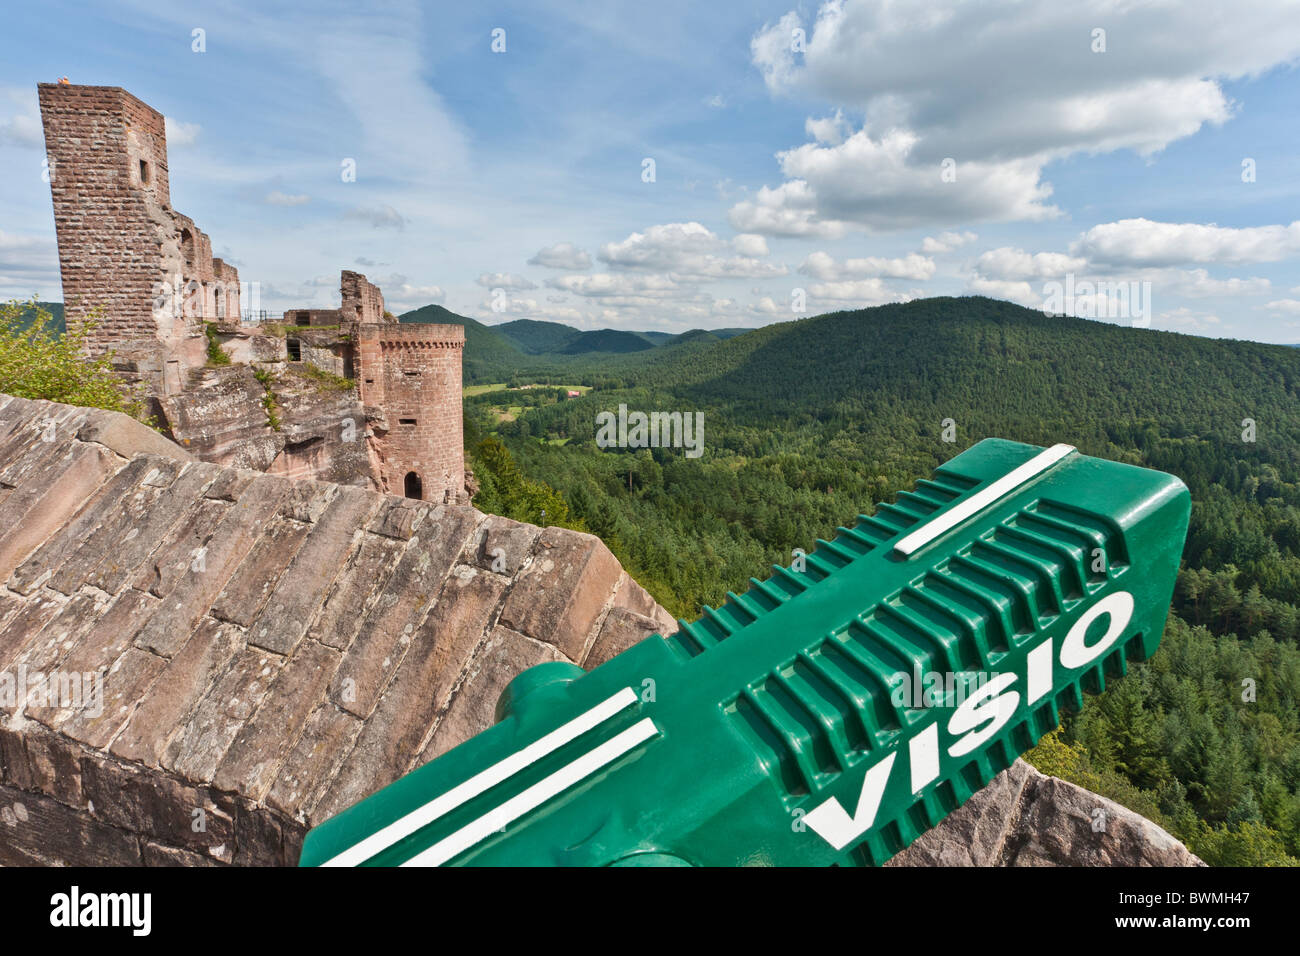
<point x="122" y="248"/>
<point x="408" y="378"/>
<point x="413" y="373"/>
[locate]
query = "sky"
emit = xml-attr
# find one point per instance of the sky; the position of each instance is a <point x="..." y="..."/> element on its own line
<point x="678" y="165"/>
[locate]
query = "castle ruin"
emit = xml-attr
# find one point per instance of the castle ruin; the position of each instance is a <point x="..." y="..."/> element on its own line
<point x="387" y="413"/>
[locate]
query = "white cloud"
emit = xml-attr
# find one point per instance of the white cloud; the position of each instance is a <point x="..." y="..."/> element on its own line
<point x="1016" y="264"/>
<point x="861" y="291"/>
<point x="1002" y="88"/>
<point x="505" y="280"/>
<point x="821" y="265"/>
<point x="400" y="296"/>
<point x="946" y="242"/>
<point x="562" y="255"/>
<point x="518" y="307"/>
<point x="1183" y="318"/>
<point x="787" y="210"/>
<point x="749" y="244"/>
<point x="1142" y="242"/>
<point x="1019" y="78"/>
<point x="181" y="134"/>
<point x="380" y="216"/>
<point x="880" y="184"/>
<point x="772" y="51"/>
<point x="606" y="284"/>
<point x="1197" y="284"/>
<point x="22" y="128"/>
<point x="28" y="264"/>
<point x="690" y="250"/>
<point x="830" y="130"/>
<point x="1284" y="306"/>
<point x="374" y="60"/>
<point x="1018" y="276"/>
<point x="1021" y="293"/>
<point x="767" y="306"/>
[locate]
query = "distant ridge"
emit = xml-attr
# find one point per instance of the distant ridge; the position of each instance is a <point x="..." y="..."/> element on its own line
<point x="607" y="340"/>
<point x="537" y="337"/>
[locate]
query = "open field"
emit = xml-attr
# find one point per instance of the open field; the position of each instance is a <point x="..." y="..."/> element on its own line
<point x="470" y="390"/>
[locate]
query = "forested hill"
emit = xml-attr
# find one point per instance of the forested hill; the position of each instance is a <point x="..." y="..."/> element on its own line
<point x="842" y="409"/>
<point x="993" y="362"/>
<point x="808" y="423"/>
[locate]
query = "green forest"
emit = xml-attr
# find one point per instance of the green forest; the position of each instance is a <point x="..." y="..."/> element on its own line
<point x="808" y="423"/>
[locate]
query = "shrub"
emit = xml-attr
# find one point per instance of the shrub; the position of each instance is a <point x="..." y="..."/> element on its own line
<point x="39" y="362"/>
<point x="216" y="354"/>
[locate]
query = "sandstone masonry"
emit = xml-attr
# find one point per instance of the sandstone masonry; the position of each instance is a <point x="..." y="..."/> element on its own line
<point x="122" y="248"/>
<point x="145" y="274"/>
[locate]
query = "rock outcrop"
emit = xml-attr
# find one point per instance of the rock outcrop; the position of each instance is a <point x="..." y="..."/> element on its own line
<point x="215" y="659"/>
<point x="198" y="663"/>
<point x="283" y="423"/>
<point x="1023" y="818"/>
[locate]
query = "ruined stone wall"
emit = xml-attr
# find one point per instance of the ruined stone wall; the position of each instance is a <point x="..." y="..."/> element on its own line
<point x="122" y="247"/>
<point x="105" y="217"/>
<point x="311" y="318"/>
<point x="326" y="357"/>
<point x="249" y="344"/>
<point x="225" y="299"/>
<point x="362" y="300"/>
<point x="413" y="373"/>
<point x="306" y="431"/>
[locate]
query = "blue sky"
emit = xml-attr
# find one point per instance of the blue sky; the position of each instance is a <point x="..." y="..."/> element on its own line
<point x="789" y="167"/>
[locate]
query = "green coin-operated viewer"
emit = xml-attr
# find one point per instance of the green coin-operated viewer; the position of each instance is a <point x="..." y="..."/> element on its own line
<point x="828" y="715"/>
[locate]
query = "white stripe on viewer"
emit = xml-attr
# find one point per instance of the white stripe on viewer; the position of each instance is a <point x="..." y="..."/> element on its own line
<point x="977" y="502"/>
<point x="536" y="795"/>
<point x="422" y="816"/>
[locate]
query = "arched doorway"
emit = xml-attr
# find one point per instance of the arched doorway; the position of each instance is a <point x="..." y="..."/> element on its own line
<point x="414" y="487"/>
